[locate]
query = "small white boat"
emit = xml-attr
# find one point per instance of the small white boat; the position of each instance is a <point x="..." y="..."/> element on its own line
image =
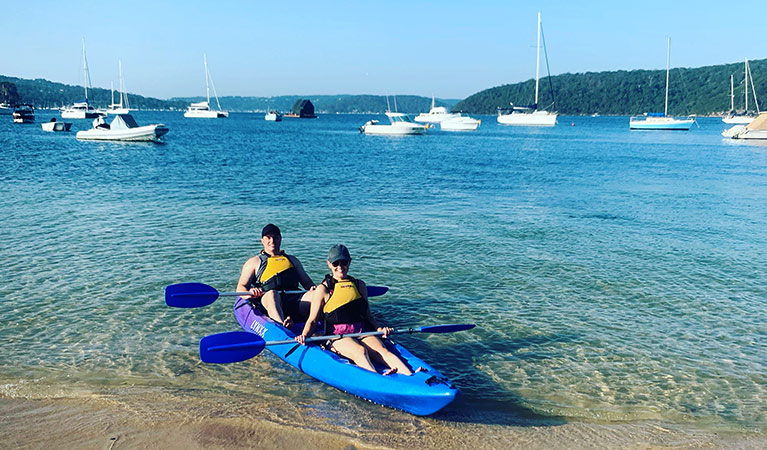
<point x="5" y="109"/>
<point x="201" y="110"/>
<point x="436" y="114"/>
<point x="401" y="125"/>
<point x="757" y="129"/>
<point x="122" y="128"/>
<point x="56" y="126"/>
<point x="24" y="114"/>
<point x="529" y="115"/>
<point x="273" y="116"/>
<point x="460" y="123"/>
<point x="658" y="121"/>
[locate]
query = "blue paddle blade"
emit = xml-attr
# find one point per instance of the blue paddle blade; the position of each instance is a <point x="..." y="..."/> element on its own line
<point x="190" y="295"/>
<point x="375" y="291"/>
<point x="230" y="347"/>
<point x="446" y="328"/>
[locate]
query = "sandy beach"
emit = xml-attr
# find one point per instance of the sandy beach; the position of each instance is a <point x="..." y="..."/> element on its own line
<point x="109" y="423"/>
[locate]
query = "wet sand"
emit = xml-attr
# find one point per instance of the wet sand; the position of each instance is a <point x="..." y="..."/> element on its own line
<point x="103" y="423"/>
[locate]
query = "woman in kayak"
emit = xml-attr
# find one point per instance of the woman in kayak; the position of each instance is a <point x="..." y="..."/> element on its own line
<point x="343" y="301"/>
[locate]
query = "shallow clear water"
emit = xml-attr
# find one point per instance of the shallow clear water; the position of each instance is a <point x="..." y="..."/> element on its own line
<point x="614" y="276"/>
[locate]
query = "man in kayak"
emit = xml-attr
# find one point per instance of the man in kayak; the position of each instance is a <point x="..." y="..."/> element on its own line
<point x="267" y="275"/>
<point x="343" y="301"/>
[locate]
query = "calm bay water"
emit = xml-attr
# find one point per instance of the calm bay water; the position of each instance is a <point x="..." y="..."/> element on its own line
<point x="614" y="276"/>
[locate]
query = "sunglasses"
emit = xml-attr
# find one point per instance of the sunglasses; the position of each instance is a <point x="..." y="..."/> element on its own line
<point x="341" y="262"/>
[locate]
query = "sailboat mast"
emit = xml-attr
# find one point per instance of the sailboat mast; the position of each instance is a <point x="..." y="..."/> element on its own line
<point x="732" y="93"/>
<point x="120" y="84"/>
<point x="668" y="62"/>
<point x="537" y="60"/>
<point x="753" y="88"/>
<point x="746" y="80"/>
<point x="207" y="88"/>
<point x="85" y="72"/>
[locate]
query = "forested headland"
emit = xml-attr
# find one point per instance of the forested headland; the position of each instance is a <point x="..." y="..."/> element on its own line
<point x="701" y="91"/>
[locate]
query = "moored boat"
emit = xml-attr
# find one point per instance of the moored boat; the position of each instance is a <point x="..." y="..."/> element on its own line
<point x="202" y="110"/>
<point x="122" y="128"/>
<point x="460" y="123"/>
<point x="24" y="114"/>
<point x="273" y="116"/>
<point x="661" y="121"/>
<point x="422" y="393"/>
<point x="437" y="114"/>
<point x="56" y="126"/>
<point x="756" y="130"/>
<point x="401" y="125"/>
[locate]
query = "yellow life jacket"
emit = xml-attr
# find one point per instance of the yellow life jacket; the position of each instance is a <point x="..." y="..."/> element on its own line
<point x="346" y="305"/>
<point x="275" y="272"/>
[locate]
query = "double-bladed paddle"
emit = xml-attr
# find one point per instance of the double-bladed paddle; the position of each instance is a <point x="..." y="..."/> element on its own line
<point x="237" y="346"/>
<point x="195" y="295"/>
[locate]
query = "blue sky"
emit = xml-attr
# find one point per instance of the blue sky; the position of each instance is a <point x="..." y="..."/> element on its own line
<point x="451" y="49"/>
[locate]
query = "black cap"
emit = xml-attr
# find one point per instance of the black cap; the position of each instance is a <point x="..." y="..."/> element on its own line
<point x="338" y="252"/>
<point x="270" y="229"/>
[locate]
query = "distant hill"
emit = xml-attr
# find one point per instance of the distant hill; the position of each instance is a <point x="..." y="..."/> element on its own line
<point x="328" y="104"/>
<point x="702" y="91"/>
<point x="48" y="94"/>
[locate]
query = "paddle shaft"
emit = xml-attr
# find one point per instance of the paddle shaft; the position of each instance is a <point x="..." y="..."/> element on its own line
<point x="427" y="329"/>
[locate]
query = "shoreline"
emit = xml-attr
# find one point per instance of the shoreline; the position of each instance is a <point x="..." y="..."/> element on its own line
<point x="123" y="423"/>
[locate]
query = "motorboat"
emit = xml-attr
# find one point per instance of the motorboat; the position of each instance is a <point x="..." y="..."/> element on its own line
<point x="530" y="115"/>
<point x="201" y="110"/>
<point x="122" y="128"/>
<point x="401" y="125"/>
<point x="81" y="109"/>
<point x="661" y="121"/>
<point x="436" y="114"/>
<point x="5" y="109"/>
<point x="460" y="123"/>
<point x="273" y="116"/>
<point x="742" y="117"/>
<point x="123" y="107"/>
<point x="24" y="114"/>
<point x="757" y="129"/>
<point x="56" y="126"/>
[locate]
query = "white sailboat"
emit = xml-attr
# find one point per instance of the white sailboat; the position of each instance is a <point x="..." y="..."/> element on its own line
<point x="81" y="109"/>
<point x="657" y="121"/>
<point x="123" y="107"/>
<point x="529" y="115"/>
<point x="201" y="110"/>
<point x="756" y="129"/>
<point x="741" y="117"/>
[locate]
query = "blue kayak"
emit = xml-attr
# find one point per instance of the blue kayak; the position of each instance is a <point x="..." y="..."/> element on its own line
<point x="422" y="393"/>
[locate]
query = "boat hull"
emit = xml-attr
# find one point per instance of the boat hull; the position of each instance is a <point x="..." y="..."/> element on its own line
<point x="206" y="114"/>
<point x="57" y="126"/>
<point x="65" y="114"/>
<point x="738" y="120"/>
<point x="460" y="124"/>
<point x="145" y="133"/>
<point x="538" y="118"/>
<point x="662" y="123"/>
<point x="421" y="394"/>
